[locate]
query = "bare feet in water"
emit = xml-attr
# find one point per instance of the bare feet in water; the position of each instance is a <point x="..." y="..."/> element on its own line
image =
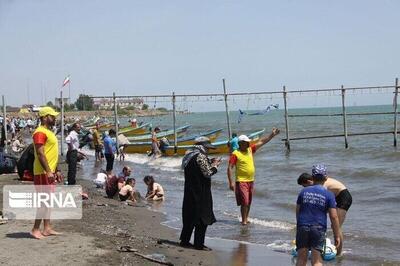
<point x="50" y="232"/>
<point x="36" y="234"/>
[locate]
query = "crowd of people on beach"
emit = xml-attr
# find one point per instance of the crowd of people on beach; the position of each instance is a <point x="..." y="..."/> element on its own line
<point x="16" y="124"/>
<point x="15" y="127"/>
<point x="322" y="195"/>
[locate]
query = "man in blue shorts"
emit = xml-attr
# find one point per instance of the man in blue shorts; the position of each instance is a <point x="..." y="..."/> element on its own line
<point x="313" y="203"/>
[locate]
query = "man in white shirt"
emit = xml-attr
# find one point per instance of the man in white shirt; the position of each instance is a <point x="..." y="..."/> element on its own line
<point x="29" y="123"/>
<point x="72" y="154"/>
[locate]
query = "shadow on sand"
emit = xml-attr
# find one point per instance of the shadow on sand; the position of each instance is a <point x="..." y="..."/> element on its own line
<point x="19" y="235"/>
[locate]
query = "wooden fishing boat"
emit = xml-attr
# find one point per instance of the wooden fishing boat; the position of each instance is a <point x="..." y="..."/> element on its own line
<point x="90" y="122"/>
<point x="169" y="134"/>
<point x="144" y="147"/>
<point x="104" y="126"/>
<point x="221" y="146"/>
<point x="133" y="131"/>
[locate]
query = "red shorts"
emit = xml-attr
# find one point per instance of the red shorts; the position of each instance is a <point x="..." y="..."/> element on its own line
<point x="244" y="193"/>
<point x="42" y="179"/>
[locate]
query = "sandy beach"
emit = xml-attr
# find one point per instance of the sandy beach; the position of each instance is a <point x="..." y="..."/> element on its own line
<point x="107" y="225"/>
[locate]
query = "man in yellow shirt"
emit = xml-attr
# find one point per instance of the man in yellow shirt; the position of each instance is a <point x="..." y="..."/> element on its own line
<point x="45" y="164"/>
<point x="242" y="160"/>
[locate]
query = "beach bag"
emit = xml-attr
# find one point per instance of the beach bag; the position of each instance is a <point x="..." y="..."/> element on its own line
<point x="7" y="164"/>
<point x="25" y="162"/>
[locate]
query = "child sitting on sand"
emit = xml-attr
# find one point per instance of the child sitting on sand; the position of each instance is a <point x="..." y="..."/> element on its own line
<point x="128" y="191"/>
<point x="154" y="190"/>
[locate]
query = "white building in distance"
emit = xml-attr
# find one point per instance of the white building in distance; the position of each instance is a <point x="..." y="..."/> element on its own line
<point x="108" y="103"/>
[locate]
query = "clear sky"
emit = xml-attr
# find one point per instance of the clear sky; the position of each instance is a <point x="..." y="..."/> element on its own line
<point x="156" y="47"/>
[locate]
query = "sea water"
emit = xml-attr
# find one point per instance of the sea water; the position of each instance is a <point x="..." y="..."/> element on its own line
<point x="369" y="169"/>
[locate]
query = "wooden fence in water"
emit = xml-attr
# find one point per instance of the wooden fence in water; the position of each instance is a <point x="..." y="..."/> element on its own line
<point x="284" y="93"/>
<point x="344" y="114"/>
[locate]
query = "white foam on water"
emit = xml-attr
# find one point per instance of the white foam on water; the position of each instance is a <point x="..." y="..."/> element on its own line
<point x="178" y="178"/>
<point x="281" y="246"/>
<point x="171" y="220"/>
<point x="248" y="243"/>
<point x="137" y="158"/>
<point x="169" y="164"/>
<point x="88" y="152"/>
<point x="271" y="224"/>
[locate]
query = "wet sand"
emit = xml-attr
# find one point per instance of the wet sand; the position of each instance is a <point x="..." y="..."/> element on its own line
<point x="108" y="224"/>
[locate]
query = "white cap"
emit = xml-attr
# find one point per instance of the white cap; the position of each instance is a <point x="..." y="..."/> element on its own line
<point x="243" y="138"/>
<point x="134" y="120"/>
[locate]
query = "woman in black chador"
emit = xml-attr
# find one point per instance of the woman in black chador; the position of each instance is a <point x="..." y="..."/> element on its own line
<point x="197" y="209"/>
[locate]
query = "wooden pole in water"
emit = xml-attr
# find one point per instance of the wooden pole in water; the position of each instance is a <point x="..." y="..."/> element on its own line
<point x="116" y="120"/>
<point x="62" y="122"/>
<point x="4" y="123"/>
<point x="346" y="144"/>
<point x="287" y="143"/>
<point x="174" y="121"/>
<point x="227" y="110"/>
<point x="396" y="92"/>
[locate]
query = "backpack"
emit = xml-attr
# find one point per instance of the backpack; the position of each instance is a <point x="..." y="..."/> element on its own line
<point x="7" y="163"/>
<point x="26" y="160"/>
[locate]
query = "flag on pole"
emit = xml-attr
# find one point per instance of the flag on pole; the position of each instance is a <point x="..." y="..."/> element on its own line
<point x="66" y="81"/>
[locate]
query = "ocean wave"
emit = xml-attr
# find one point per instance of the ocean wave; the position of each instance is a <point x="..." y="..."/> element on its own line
<point x="170" y="164"/>
<point x="272" y="224"/>
<point x="262" y="193"/>
<point x="281" y="225"/>
<point x="171" y="222"/>
<point x="366" y="173"/>
<point x="281" y="246"/>
<point x="178" y="178"/>
<point x="167" y="164"/>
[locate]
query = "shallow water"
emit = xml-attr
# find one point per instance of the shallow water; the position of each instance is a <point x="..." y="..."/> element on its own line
<point x="369" y="169"/>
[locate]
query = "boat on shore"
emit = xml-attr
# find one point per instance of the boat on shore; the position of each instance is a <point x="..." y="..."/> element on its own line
<point x="221" y="146"/>
<point x="145" y="147"/>
<point x="133" y="131"/>
<point x="90" y="122"/>
<point x="169" y="134"/>
<point x="103" y="126"/>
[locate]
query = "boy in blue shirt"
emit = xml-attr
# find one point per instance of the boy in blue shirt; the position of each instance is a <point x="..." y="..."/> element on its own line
<point x="233" y="143"/>
<point x="313" y="203"/>
<point x="110" y="147"/>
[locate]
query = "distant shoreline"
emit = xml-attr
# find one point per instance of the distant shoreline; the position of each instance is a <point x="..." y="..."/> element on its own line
<point x="101" y="113"/>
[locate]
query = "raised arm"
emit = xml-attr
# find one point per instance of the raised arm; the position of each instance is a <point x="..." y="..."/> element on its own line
<point x="265" y="139"/>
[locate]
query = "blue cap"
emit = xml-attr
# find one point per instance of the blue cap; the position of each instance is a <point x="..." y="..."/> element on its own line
<point x="319" y="171"/>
